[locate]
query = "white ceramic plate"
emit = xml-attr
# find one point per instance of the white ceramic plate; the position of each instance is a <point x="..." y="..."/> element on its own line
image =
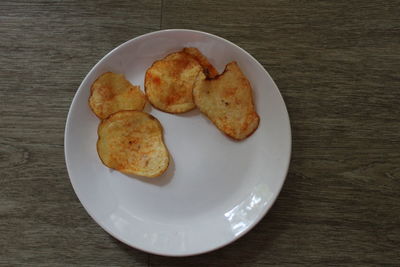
<point x="215" y="189"/>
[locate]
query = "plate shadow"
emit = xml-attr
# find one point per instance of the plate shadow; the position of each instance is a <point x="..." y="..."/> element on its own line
<point x="191" y="113"/>
<point x="147" y="107"/>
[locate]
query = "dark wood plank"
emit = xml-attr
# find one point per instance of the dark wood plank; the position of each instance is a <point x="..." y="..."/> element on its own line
<point x="47" y="48"/>
<point x="337" y="65"/>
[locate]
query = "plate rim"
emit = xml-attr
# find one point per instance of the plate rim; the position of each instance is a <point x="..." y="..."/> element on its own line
<point x="260" y="216"/>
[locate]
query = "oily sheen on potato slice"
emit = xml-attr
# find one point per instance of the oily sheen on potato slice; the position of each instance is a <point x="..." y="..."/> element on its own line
<point x="227" y="101"/>
<point x="169" y="82"/>
<point x="208" y="68"/>
<point x="111" y="92"/>
<point x="132" y="142"/>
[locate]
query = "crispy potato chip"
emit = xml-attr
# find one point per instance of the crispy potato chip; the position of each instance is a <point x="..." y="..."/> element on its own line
<point x="111" y="92"/>
<point x="132" y="142"/>
<point x="227" y="101"/>
<point x="208" y="69"/>
<point x="169" y="82"/>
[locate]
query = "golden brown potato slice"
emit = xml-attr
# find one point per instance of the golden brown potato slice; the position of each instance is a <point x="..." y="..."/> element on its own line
<point x="169" y="82"/>
<point x="132" y="142"/>
<point x="208" y="69"/>
<point x="111" y="92"/>
<point x="227" y="101"/>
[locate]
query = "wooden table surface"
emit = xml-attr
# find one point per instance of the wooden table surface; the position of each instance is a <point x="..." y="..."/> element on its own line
<point x="337" y="64"/>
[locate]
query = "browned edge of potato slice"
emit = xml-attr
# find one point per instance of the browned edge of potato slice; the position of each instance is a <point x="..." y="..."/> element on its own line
<point x="208" y="68"/>
<point x="112" y="92"/>
<point x="169" y="82"/>
<point x="227" y="100"/>
<point x="132" y="142"/>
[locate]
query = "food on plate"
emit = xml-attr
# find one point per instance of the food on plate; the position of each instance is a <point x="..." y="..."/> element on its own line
<point x="132" y="142"/>
<point x="208" y="69"/>
<point x="169" y="82"/>
<point x="227" y="101"/>
<point x="111" y="92"/>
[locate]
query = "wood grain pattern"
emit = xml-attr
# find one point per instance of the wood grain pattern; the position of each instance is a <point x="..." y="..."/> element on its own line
<point x="47" y="48"/>
<point x="337" y="64"/>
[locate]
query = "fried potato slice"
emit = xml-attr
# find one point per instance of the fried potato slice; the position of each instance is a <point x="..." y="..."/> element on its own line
<point x="208" y="69"/>
<point x="111" y="92"/>
<point x="132" y="142"/>
<point x="169" y="82"/>
<point x="227" y="101"/>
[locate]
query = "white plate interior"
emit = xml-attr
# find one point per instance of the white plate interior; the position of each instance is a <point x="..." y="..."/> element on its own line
<point x="215" y="189"/>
